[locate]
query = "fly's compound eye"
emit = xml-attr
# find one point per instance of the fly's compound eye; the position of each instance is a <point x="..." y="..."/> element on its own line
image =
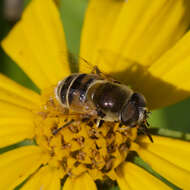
<point x="133" y="113"/>
<point x="130" y="114"/>
<point x="139" y="99"/>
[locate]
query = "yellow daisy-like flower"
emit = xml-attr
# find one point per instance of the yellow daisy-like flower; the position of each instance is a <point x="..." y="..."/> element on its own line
<point x="141" y="43"/>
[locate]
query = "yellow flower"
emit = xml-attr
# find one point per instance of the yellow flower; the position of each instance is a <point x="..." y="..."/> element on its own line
<point x="143" y="44"/>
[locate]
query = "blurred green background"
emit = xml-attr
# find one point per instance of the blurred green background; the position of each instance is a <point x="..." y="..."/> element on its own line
<point x="175" y="117"/>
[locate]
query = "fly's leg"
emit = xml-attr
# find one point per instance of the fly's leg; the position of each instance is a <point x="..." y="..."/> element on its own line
<point x="56" y="131"/>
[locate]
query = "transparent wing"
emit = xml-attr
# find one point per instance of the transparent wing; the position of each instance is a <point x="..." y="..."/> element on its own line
<point x="76" y="61"/>
<point x="106" y="64"/>
<point x="87" y="67"/>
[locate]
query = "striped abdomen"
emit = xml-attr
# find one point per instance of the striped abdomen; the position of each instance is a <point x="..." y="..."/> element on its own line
<point x="71" y="92"/>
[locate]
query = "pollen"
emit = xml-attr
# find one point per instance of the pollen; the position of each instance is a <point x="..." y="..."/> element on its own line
<point x="75" y="144"/>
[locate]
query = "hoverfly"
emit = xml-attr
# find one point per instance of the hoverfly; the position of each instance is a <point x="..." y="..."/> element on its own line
<point x="104" y="98"/>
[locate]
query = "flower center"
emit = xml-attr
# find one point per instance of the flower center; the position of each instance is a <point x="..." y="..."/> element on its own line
<point x="75" y="144"/>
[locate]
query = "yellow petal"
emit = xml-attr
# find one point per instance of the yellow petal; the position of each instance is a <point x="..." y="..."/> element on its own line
<point x="83" y="181"/>
<point x="18" y="164"/>
<point x="167" y="169"/>
<point x="37" y="44"/>
<point x="9" y="110"/>
<point x="144" y="29"/>
<point x="175" y="151"/>
<point x="128" y="30"/>
<point x="12" y="92"/>
<point x="175" y="61"/>
<point x="174" y="68"/>
<point x="99" y="21"/>
<point x="46" y="178"/>
<point x="130" y="176"/>
<point x="15" y="130"/>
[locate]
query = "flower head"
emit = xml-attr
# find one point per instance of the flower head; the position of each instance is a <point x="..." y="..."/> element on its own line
<point x="81" y="153"/>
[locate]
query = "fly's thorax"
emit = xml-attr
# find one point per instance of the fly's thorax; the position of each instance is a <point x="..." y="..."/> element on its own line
<point x="109" y="98"/>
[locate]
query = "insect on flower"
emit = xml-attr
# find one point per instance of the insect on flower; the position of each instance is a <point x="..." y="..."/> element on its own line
<point x="100" y="96"/>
